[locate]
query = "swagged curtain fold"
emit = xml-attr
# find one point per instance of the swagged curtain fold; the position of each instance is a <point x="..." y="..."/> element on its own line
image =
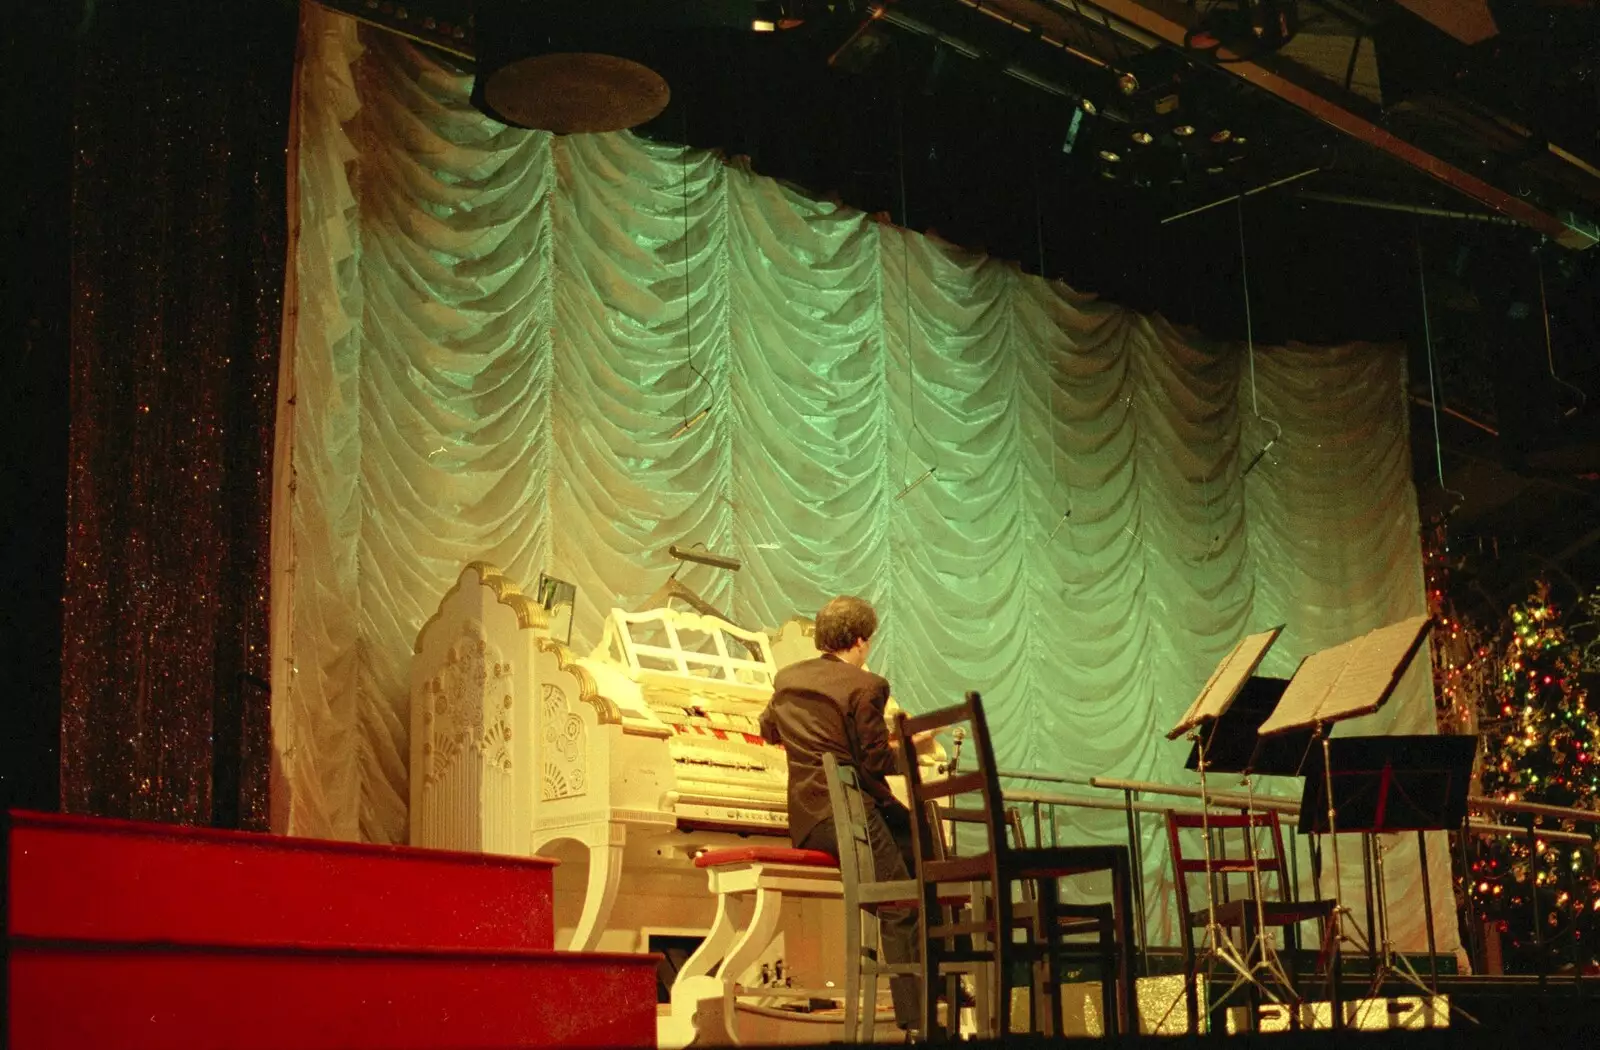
<point x="498" y="334"/>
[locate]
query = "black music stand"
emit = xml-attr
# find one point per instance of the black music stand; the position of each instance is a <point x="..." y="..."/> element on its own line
<point x="1231" y="742"/>
<point x="1346" y="681"/>
<point x="1214" y="727"/>
<point x="1389" y="784"/>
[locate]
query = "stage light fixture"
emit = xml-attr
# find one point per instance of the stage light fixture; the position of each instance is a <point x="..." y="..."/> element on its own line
<point x="1128" y="84"/>
<point x="1183" y="131"/>
<point x="1109" y="157"/>
<point x="909" y="489"/>
<point x="1244" y="28"/>
<point x="1107" y="173"/>
<point x="762" y="25"/>
<point x="1143" y="138"/>
<point x="1087" y="106"/>
<point x="1214" y="170"/>
<point x="1072" y="131"/>
<point x="690" y="423"/>
<point x="863" y="46"/>
<point x="1221" y="136"/>
<point x="704" y="557"/>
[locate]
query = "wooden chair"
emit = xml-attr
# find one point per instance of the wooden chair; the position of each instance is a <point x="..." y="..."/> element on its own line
<point x="1074" y="920"/>
<point x="1079" y="920"/>
<point x="1244" y="914"/>
<point x="863" y="894"/>
<point x="975" y="798"/>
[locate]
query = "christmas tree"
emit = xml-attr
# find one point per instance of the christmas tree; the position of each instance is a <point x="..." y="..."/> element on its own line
<point x="1541" y="743"/>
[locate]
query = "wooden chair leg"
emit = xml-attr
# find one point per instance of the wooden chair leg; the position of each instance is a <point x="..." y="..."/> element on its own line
<point x="1110" y="983"/>
<point x="1036" y="995"/>
<point x="852" y="970"/>
<point x="930" y="998"/>
<point x="1045" y="1005"/>
<point x="1122" y="876"/>
<point x="1191" y="995"/>
<point x="1000" y="1017"/>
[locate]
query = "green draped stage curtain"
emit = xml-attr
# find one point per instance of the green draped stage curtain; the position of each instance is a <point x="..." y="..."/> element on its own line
<point x="498" y="333"/>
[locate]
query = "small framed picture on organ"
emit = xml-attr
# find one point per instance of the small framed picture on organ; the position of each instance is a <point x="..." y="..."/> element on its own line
<point x="559" y="598"/>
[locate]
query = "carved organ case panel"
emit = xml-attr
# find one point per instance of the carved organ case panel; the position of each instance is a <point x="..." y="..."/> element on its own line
<point x="601" y="753"/>
<point x="472" y="685"/>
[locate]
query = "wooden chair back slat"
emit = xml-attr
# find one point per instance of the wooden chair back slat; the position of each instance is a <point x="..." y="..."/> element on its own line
<point x="959" y="784"/>
<point x="850" y="827"/>
<point x="958" y="815"/>
<point x="1266" y="861"/>
<point x="1254" y="819"/>
<point x="971" y="797"/>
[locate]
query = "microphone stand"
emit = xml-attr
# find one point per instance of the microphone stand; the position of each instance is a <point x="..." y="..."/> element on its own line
<point x="956" y="739"/>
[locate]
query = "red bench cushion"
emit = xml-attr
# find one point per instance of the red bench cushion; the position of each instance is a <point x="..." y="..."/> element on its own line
<point x="810" y="858"/>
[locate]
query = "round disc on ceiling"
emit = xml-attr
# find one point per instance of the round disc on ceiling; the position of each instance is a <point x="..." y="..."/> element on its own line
<point x="575" y="92"/>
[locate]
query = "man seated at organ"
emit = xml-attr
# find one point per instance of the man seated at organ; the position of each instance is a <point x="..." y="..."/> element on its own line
<point x="832" y="705"/>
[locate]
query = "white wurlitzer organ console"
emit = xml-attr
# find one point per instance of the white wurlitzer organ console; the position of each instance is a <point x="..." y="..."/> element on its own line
<point x="624" y="764"/>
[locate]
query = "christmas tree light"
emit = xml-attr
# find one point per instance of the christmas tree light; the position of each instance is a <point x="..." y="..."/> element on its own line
<point x="1538" y="746"/>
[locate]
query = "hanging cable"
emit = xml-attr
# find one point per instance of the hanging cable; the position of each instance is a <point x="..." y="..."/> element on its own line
<point x="1250" y="349"/>
<point x="688" y="299"/>
<point x="905" y="290"/>
<point x="1433" y="394"/>
<point x="911" y="370"/>
<point x="1549" y="346"/>
<point x="1050" y="377"/>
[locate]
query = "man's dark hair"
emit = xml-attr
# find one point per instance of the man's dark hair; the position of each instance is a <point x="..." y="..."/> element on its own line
<point x="843" y="621"/>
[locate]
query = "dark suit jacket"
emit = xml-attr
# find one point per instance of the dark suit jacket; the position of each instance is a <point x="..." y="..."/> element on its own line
<point x="824" y="706"/>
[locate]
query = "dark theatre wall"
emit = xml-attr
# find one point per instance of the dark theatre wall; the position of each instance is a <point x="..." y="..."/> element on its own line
<point x="158" y="410"/>
<point x="34" y="294"/>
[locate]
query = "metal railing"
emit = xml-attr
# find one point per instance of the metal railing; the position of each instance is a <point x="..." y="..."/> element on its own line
<point x="1125" y="796"/>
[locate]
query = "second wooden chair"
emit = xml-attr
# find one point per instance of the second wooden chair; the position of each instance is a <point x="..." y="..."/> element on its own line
<point x="996" y="869"/>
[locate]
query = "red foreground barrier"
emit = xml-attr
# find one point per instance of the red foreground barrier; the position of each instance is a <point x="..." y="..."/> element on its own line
<point x="144" y="935"/>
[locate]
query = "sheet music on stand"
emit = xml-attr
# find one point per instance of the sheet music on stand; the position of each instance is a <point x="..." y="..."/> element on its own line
<point x="1349" y="680"/>
<point x="1226" y="680"/>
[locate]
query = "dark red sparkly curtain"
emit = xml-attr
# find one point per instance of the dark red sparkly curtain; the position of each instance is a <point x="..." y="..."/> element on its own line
<point x="178" y="222"/>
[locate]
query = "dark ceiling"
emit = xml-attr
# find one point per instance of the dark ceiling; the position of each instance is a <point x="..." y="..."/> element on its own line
<point x="1391" y="154"/>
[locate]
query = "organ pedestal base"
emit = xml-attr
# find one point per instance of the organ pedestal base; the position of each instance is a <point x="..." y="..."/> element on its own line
<point x="604" y="846"/>
<point x="750" y="895"/>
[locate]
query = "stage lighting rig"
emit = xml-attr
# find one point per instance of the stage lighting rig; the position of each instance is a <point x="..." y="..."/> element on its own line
<point x="1237" y="30"/>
